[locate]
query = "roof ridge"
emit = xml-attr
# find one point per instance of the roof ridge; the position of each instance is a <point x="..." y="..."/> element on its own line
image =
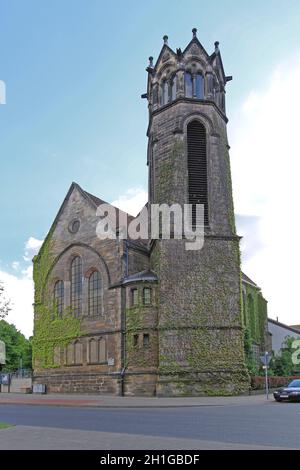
<point x="99" y="201"/>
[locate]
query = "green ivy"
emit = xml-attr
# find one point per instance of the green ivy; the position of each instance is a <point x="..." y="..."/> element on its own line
<point x="256" y="317"/>
<point x="51" y="329"/>
<point x="134" y="325"/>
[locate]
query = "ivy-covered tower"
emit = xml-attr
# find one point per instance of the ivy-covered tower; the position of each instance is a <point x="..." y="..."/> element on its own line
<point x="200" y="330"/>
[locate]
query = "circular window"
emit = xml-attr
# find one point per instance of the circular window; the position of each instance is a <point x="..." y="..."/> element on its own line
<point x="74" y="226"/>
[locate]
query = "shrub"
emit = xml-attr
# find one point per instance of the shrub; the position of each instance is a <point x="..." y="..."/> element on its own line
<point x="258" y="382"/>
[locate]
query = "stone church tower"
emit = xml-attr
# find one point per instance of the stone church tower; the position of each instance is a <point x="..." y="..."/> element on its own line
<point x="149" y="317"/>
<point x="200" y="337"/>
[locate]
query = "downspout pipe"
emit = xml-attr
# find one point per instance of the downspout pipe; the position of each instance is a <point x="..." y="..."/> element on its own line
<point x="123" y="322"/>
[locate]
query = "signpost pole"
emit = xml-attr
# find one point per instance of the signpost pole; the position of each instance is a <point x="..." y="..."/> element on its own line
<point x="266" y="374"/>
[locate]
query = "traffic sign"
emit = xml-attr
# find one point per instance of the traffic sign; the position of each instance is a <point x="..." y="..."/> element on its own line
<point x="265" y="359"/>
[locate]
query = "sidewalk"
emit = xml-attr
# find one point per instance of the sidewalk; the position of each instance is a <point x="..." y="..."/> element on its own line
<point x="128" y="402"/>
<point x="40" y="438"/>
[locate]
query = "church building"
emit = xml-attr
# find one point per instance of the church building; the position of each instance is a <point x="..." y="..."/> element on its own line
<point x="148" y="317"/>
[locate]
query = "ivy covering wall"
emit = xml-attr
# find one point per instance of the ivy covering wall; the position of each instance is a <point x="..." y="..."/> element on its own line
<point x="51" y="329"/>
<point x="254" y="314"/>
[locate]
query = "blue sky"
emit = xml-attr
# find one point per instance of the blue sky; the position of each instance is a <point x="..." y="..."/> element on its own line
<point x="74" y="72"/>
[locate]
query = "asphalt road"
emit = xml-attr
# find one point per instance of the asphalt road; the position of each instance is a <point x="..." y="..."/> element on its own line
<point x="271" y="424"/>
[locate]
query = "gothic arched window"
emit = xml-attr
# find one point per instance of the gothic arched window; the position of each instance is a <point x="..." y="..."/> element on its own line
<point x="199" y="86"/>
<point x="197" y="168"/>
<point x="173" y="88"/>
<point x="97" y="350"/>
<point x="188" y="83"/>
<point x="59" y="296"/>
<point x="165" y="92"/>
<point x="78" y="352"/>
<point x="76" y="285"/>
<point x="95" y="294"/>
<point x="244" y="309"/>
<point x="155" y="94"/>
<point x="251" y="311"/>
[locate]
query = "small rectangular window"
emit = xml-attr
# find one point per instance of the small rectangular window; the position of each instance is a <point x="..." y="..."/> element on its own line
<point x="146" y="341"/>
<point x="134" y="297"/>
<point x="147" y="296"/>
<point x="135" y="341"/>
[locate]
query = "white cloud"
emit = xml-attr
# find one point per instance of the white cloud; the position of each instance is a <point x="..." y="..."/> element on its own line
<point x="266" y="166"/>
<point x="132" y="201"/>
<point x="20" y="291"/>
<point x="15" y="265"/>
<point x="19" y="288"/>
<point x="32" y="247"/>
<point x="248" y="227"/>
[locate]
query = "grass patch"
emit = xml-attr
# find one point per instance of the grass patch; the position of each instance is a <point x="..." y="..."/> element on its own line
<point x="4" y="425"/>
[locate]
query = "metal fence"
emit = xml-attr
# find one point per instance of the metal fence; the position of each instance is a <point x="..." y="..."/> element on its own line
<point x="21" y="374"/>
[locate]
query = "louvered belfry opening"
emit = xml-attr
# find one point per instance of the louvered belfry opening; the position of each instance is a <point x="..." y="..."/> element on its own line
<point x="197" y="168"/>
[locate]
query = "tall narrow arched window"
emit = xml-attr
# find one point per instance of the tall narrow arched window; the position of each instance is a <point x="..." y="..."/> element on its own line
<point x="95" y="294"/>
<point x="244" y="308"/>
<point x="78" y="352"/>
<point x="155" y="94"/>
<point x="59" y="296"/>
<point x="251" y="311"/>
<point x="197" y="168"/>
<point x="199" y="86"/>
<point x="173" y="88"/>
<point x="165" y="92"/>
<point x="76" y="285"/>
<point x="188" y="84"/>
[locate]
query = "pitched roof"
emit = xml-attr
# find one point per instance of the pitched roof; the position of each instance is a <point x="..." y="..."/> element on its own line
<point x="296" y="327"/>
<point x="247" y="279"/>
<point x="95" y="201"/>
<point x="282" y="325"/>
<point x="146" y="275"/>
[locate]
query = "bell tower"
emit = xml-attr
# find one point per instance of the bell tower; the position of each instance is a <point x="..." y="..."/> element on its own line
<point x="200" y="332"/>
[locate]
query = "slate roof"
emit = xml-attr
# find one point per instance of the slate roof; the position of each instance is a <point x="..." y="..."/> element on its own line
<point x="282" y="325"/>
<point x="247" y="279"/>
<point x="97" y="201"/>
<point x="146" y="275"/>
<point x="295" y="327"/>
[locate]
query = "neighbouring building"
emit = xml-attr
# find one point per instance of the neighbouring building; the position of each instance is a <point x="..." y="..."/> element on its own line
<point x="138" y="317"/>
<point x="278" y="333"/>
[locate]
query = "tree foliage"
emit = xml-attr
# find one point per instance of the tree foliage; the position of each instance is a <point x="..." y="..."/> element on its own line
<point x="4" y="303"/>
<point x="282" y="364"/>
<point x="17" y="346"/>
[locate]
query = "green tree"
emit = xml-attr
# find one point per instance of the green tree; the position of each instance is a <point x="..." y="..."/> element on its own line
<point x="17" y="346"/>
<point x="282" y="363"/>
<point x="4" y="303"/>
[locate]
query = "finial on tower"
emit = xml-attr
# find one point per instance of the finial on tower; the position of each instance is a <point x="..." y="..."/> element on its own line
<point x="165" y="38"/>
<point x="217" y="50"/>
<point x="151" y="62"/>
<point x="194" y="31"/>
